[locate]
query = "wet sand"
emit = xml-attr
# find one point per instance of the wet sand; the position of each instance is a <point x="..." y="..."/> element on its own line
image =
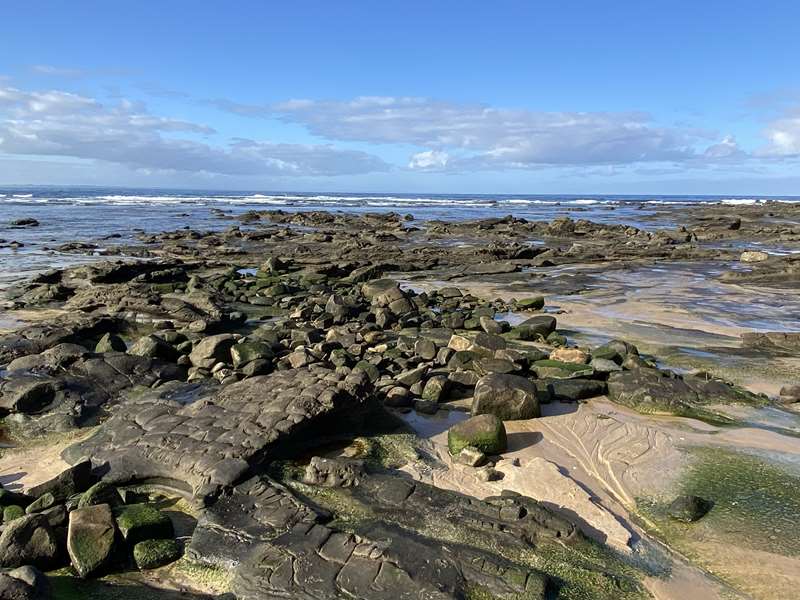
<point x="594" y="460"/>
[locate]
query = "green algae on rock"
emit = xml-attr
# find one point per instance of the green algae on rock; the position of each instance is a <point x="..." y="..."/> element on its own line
<point x="151" y="554"/>
<point x="484" y="432"/>
<point x="139" y="522"/>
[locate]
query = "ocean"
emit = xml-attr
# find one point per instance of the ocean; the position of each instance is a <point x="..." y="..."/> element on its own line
<point x="94" y="214"/>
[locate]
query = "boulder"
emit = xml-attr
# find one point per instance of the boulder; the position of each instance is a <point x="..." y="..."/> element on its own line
<point x="489" y="325"/>
<point x="426" y="407"/>
<point x="435" y="388"/>
<point x="25" y="583"/>
<point x="652" y="390"/>
<point x="74" y="480"/>
<point x="542" y="325"/>
<point x="27" y="393"/>
<point x="382" y="292"/>
<point x="425" y="349"/>
<point x="471" y="456"/>
<point x="557" y="369"/>
<point x="570" y="355"/>
<point x="247" y="352"/>
<point x="110" y="343"/>
<point x="101" y="492"/>
<point x="211" y="350"/>
<point x="615" y="350"/>
<point x="485" y="433"/>
<point x="8" y="497"/>
<point x="26" y="222"/>
<point x="750" y="256"/>
<point x="12" y="512"/>
<point x="41" y="504"/>
<point x="571" y="390"/>
<point x="28" y="540"/>
<point x="790" y="394"/>
<point x="151" y="554"/>
<point x="450" y="292"/>
<point x="484" y="366"/>
<point x="90" y="538"/>
<point x="507" y="397"/>
<point x="532" y="303"/>
<point x="459" y="343"/>
<point x="487" y="344"/>
<point x="139" y="522"/>
<point x="151" y="346"/>
<point x="604" y="365"/>
<point x="689" y="508"/>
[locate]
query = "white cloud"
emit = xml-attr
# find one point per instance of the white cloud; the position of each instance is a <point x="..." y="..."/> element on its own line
<point x="784" y="136"/>
<point x="58" y="71"/>
<point x="429" y="160"/>
<point x="57" y="123"/>
<point x="479" y="136"/>
<point x="727" y="148"/>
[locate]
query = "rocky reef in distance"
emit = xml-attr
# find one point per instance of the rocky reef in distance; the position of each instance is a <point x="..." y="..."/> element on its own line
<point x="320" y="405"/>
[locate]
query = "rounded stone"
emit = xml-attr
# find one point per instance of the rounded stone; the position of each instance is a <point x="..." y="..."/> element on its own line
<point x="483" y="432"/>
<point x="508" y="397"/>
<point x="151" y="554"/>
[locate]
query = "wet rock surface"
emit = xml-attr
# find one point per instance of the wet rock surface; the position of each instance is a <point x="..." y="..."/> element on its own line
<point x="226" y="362"/>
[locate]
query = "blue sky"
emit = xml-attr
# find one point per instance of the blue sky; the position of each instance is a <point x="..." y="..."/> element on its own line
<point x="491" y="97"/>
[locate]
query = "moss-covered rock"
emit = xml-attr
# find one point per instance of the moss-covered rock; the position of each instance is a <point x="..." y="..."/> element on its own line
<point x="508" y="397"/>
<point x="101" y="493"/>
<point x="484" y="432"/>
<point x="139" y="522"/>
<point x="151" y="554"/>
<point x="371" y="370"/>
<point x="247" y="352"/>
<point x="90" y="538"/>
<point x="532" y="303"/>
<point x="110" y="343"/>
<point x="12" y="512"/>
<point x="556" y="369"/>
<point x="42" y="503"/>
<point x="689" y="508"/>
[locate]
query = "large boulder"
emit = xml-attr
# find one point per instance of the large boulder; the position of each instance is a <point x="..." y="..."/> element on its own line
<point x="28" y="540"/>
<point x="508" y="397"/>
<point x="211" y="350"/>
<point x="90" y="538"/>
<point x="557" y="369"/>
<point x="150" y="346"/>
<point x="571" y="390"/>
<point x="655" y="391"/>
<point x="27" y="393"/>
<point x="110" y="343"/>
<point x="151" y="554"/>
<point x="24" y="583"/>
<point x="76" y="479"/>
<point x="542" y="325"/>
<point x="382" y="292"/>
<point x="101" y="492"/>
<point x="247" y="352"/>
<point x="484" y="432"/>
<point x="570" y="355"/>
<point x="139" y="522"/>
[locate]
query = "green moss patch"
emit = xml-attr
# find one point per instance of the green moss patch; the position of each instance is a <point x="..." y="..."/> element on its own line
<point x="139" y="522"/>
<point x="756" y="502"/>
<point x="151" y="554"/>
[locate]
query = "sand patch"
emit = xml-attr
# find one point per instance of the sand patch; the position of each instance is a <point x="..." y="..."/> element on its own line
<point x="585" y="463"/>
<point x="24" y="467"/>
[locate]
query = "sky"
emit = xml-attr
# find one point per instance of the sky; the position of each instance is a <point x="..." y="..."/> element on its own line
<point x="440" y="96"/>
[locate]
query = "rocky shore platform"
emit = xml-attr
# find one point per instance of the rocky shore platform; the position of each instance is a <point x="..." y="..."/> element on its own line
<point x="324" y="405"/>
